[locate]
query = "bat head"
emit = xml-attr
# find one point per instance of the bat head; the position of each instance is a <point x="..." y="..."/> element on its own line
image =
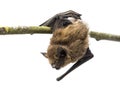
<point x="58" y="56"/>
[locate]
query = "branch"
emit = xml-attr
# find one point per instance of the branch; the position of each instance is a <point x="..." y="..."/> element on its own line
<point x="46" y="30"/>
<point x="24" y="30"/>
<point x="104" y="36"/>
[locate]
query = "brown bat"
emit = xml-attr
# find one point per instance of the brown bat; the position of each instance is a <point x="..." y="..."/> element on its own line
<point x="69" y="42"/>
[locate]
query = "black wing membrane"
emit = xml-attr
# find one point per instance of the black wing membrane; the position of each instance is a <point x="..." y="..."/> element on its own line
<point x="85" y="58"/>
<point x="60" y="19"/>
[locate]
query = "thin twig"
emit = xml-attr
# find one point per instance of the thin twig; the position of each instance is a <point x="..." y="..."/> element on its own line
<point x="104" y="36"/>
<point x="24" y="30"/>
<point x="46" y="30"/>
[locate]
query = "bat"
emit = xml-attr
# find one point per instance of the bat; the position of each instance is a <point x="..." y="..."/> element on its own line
<point x="69" y="42"/>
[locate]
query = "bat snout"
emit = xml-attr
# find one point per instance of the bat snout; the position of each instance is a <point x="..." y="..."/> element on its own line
<point x="55" y="66"/>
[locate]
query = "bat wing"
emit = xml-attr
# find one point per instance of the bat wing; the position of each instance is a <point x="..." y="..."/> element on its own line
<point x="61" y="19"/>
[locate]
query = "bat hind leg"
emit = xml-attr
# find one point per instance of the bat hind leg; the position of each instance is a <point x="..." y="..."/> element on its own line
<point x="85" y="58"/>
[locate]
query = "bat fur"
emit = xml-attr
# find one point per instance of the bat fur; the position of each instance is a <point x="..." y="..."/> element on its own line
<point x="69" y="42"/>
<point x="72" y="40"/>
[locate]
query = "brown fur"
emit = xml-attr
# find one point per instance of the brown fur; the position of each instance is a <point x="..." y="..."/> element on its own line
<point x="73" y="39"/>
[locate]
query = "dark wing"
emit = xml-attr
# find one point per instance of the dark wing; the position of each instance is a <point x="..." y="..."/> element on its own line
<point x="85" y="58"/>
<point x="61" y="19"/>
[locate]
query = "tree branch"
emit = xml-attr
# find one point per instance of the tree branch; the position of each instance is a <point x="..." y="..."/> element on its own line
<point x="46" y="30"/>
<point x="104" y="36"/>
<point x="24" y="30"/>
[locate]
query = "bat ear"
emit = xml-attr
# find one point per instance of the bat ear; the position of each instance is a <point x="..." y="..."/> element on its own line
<point x="61" y="52"/>
<point x="44" y="54"/>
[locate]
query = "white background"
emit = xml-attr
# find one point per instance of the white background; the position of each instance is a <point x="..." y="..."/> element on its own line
<point x="26" y="78"/>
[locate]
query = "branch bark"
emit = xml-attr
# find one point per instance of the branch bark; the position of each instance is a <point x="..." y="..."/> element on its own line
<point x="47" y="30"/>
<point x="104" y="36"/>
<point x="24" y="30"/>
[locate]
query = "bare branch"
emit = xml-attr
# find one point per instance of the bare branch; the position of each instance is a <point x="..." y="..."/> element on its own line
<point x="104" y="36"/>
<point x="24" y="30"/>
<point x="46" y="30"/>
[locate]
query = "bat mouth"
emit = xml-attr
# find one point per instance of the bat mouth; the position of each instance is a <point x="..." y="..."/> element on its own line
<point x="55" y="66"/>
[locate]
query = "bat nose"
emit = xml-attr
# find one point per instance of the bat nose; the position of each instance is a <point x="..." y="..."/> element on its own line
<point x="53" y="66"/>
<point x="56" y="67"/>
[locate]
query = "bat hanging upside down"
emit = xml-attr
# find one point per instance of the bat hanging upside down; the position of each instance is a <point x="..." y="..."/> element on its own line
<point x="69" y="42"/>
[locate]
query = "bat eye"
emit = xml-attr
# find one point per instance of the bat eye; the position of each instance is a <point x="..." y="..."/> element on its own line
<point x="61" y="52"/>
